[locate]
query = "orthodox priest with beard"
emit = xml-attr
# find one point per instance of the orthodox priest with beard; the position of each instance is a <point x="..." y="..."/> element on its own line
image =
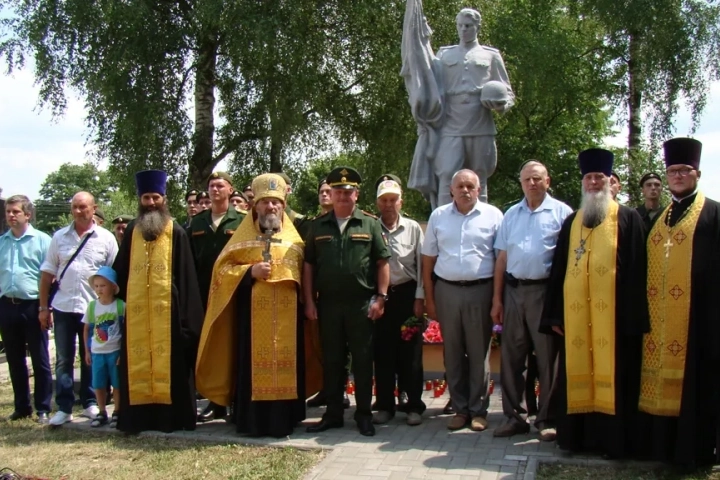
<point x="164" y="315"/>
<point x="596" y="303"/>
<point x="679" y="396"/>
<point x="251" y="349"/>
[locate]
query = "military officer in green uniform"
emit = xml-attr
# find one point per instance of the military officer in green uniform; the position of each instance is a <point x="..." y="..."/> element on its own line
<point x="209" y="232"/>
<point x="346" y="270"/>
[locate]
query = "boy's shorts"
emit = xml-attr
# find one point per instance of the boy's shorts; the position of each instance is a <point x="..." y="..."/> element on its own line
<point x="104" y="369"/>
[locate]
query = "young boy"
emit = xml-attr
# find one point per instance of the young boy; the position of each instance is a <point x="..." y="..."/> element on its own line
<point x="103" y="321"/>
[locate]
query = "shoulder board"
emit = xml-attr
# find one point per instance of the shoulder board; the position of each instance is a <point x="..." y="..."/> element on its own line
<point x="369" y="214"/>
<point x="447" y="47"/>
<point x="242" y="212"/>
<point x="492" y="49"/>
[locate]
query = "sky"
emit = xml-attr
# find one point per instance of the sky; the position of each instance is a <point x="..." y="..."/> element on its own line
<point x="33" y="144"/>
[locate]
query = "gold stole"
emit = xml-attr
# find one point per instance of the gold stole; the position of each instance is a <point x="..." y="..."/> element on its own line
<point x="589" y="297"/>
<point x="669" y="286"/>
<point x="273" y="317"/>
<point x="148" y="317"/>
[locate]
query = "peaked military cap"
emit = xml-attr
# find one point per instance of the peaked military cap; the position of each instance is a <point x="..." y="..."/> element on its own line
<point x="248" y="188"/>
<point x="99" y="213"/>
<point x="237" y="193"/>
<point x="322" y="182"/>
<point x="387" y="176"/>
<point x="202" y="195"/>
<point x="224" y="175"/>
<point x="190" y="194"/>
<point x="122" y="219"/>
<point x="344" y="177"/>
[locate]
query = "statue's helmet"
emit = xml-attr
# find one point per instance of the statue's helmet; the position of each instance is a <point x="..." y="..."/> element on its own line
<point x="494" y="91"/>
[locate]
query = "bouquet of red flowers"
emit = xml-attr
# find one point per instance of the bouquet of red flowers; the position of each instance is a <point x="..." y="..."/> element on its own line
<point x="432" y="333"/>
<point x="411" y="327"/>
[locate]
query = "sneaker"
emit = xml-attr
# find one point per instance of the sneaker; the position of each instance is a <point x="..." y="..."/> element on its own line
<point x="91" y="412"/>
<point x="413" y="419"/>
<point x="59" y="418"/>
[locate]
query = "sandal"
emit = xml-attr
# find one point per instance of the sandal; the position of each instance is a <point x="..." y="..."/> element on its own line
<point x="100" y="420"/>
<point x="113" y="420"/>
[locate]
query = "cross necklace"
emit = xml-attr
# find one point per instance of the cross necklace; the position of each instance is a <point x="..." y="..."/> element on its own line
<point x="668" y="245"/>
<point x="580" y="251"/>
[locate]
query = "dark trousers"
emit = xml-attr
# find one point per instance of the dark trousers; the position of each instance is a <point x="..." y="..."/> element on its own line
<point x="523" y="309"/>
<point x="68" y="327"/>
<point x="395" y="355"/>
<point x="20" y="329"/>
<point x="344" y="325"/>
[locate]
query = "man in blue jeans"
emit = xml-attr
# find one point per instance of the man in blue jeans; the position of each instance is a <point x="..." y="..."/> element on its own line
<point x="22" y="250"/>
<point x="95" y="247"/>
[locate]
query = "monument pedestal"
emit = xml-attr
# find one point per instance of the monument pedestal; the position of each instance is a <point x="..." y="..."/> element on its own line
<point x="433" y="358"/>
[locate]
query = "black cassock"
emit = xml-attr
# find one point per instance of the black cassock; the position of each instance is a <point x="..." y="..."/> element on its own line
<point x="691" y="439"/>
<point x="276" y="418"/>
<point x="598" y="432"/>
<point x="186" y="323"/>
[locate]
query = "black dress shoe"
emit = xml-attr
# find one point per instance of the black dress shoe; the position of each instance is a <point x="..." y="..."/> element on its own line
<point x="323" y="425"/>
<point x="18" y="416"/>
<point x="448" y="410"/>
<point x="207" y="415"/>
<point x="318" y="400"/>
<point x="346" y="401"/>
<point x="43" y="418"/>
<point x="366" y="427"/>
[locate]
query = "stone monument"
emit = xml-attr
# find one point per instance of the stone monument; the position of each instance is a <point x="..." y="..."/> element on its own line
<point x="452" y="95"/>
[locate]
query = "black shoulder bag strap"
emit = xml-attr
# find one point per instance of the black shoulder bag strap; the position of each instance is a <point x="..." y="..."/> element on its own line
<point x="74" y="256"/>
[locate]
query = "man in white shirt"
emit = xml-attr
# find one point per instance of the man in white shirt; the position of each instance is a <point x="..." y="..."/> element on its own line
<point x="393" y="353"/>
<point x="458" y="253"/>
<point x="73" y="295"/>
<point x="525" y="245"/>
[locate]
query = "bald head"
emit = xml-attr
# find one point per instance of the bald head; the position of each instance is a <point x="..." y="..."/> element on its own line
<point x="82" y="208"/>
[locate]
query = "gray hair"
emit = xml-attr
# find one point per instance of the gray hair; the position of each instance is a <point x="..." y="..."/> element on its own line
<point x="25" y="204"/>
<point x="469" y="12"/>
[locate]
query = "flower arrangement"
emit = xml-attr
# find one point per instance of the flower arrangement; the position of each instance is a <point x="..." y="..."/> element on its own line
<point x="411" y="327"/>
<point x="496" y="335"/>
<point x="432" y="333"/>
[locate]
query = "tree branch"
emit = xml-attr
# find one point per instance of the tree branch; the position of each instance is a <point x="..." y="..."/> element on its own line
<point x="234" y="143"/>
<point x="186" y="75"/>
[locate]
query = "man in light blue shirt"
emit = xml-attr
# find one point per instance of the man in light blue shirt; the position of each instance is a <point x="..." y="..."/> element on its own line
<point x="458" y="253"/>
<point x="526" y="244"/>
<point x="22" y="250"/>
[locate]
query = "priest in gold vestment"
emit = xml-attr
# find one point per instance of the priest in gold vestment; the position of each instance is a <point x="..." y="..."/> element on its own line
<point x="596" y="304"/>
<point x="251" y="351"/>
<point x="680" y="387"/>
<point x="164" y="315"/>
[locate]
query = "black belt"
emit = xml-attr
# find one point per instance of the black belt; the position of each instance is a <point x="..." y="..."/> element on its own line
<point x="400" y="286"/>
<point x="466" y="283"/>
<point x="16" y="301"/>
<point x="516" y="282"/>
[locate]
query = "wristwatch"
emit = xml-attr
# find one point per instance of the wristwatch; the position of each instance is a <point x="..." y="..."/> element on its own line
<point x="42" y="309"/>
<point x="384" y="296"/>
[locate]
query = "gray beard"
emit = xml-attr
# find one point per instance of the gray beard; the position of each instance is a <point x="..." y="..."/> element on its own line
<point x="151" y="223"/>
<point x="595" y="206"/>
<point x="270" y="221"/>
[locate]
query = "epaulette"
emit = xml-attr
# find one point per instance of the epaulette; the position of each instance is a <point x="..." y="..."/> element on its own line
<point x="244" y="212"/>
<point x="446" y="47"/>
<point x="492" y="49"/>
<point x="369" y="214"/>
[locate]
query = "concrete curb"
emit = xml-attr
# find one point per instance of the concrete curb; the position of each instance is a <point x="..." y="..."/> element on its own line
<point x="582" y="461"/>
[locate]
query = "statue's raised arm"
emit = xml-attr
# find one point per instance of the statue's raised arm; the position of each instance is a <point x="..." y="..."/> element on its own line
<point x="451" y="96"/>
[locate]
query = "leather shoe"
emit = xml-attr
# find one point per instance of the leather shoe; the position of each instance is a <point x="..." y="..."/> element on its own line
<point x="323" y="425"/>
<point x="18" y="416"/>
<point x="346" y="401"/>
<point x="43" y="418"/>
<point x="207" y="415"/>
<point x="366" y="427"/>
<point x="448" y="410"/>
<point x="318" y="400"/>
<point x="511" y="428"/>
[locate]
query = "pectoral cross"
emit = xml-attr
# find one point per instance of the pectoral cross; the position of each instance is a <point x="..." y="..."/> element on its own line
<point x="580" y="251"/>
<point x="267" y="238"/>
<point x="667" y="246"/>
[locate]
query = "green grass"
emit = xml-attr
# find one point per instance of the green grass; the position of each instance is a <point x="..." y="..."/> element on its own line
<point x="39" y="452"/>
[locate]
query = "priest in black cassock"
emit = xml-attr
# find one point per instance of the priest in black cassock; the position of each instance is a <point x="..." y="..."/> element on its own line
<point x="679" y="399"/>
<point x="163" y="318"/>
<point x="252" y="344"/>
<point x="596" y="302"/>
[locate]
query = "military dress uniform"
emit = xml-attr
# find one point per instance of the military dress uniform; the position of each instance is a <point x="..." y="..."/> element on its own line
<point x="207" y="242"/>
<point x="345" y="279"/>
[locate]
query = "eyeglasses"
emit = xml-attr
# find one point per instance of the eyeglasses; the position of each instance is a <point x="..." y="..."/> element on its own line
<point x="683" y="172"/>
